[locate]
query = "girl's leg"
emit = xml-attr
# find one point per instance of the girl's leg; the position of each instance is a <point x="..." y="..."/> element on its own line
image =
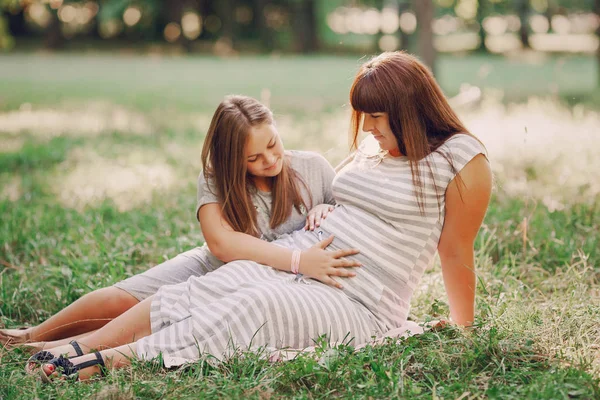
<point x="126" y="328"/>
<point x="37" y="346"/>
<point x="118" y="357"/>
<point x="88" y="313"/>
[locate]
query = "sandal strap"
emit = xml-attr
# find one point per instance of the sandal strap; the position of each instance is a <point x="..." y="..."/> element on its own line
<point x="76" y="347"/>
<point x="41" y="357"/>
<point x="98" y="361"/>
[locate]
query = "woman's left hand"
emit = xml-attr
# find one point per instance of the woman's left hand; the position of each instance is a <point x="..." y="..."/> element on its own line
<point x="314" y="217"/>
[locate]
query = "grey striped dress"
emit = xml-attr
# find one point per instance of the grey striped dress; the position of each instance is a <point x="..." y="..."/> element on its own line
<point x="245" y="305"/>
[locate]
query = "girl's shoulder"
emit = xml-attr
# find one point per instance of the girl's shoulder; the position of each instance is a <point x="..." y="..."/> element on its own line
<point x="301" y="160"/>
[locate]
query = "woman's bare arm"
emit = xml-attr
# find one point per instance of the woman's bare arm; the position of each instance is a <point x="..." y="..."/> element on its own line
<point x="465" y="211"/>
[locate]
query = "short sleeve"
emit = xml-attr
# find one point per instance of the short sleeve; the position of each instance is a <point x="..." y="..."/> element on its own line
<point x="461" y="149"/>
<point x="206" y="192"/>
<point x="327" y="173"/>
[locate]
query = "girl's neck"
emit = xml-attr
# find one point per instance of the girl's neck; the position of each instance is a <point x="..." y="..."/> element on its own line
<point x="262" y="183"/>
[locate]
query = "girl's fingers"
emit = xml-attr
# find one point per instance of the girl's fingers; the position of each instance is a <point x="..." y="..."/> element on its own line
<point x="341" y="272"/>
<point x="345" y="252"/>
<point x="324" y="243"/>
<point x="343" y="263"/>
<point x="329" y="281"/>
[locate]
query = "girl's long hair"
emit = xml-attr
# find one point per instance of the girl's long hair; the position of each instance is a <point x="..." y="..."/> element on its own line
<point x="419" y="114"/>
<point x="224" y="162"/>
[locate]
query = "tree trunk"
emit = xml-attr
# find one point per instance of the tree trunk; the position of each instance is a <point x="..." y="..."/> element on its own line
<point x="54" y="38"/>
<point x="424" y="10"/>
<point x="304" y="24"/>
<point x="597" y="11"/>
<point x="264" y="33"/>
<point x="225" y="10"/>
<point x="481" y="12"/>
<point x="523" y="8"/>
<point x="405" y="43"/>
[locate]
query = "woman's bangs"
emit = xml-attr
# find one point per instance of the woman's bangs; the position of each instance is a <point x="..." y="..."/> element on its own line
<point x="365" y="98"/>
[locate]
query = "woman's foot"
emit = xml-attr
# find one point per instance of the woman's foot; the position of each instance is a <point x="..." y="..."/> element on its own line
<point x="12" y="337"/>
<point x="78" y="368"/>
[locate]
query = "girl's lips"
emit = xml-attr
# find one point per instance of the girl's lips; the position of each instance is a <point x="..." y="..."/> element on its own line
<point x="272" y="166"/>
<point x="378" y="137"/>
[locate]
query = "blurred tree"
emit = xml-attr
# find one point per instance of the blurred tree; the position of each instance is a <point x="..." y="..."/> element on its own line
<point x="260" y="21"/>
<point x="524" y="9"/>
<point x="424" y="10"/>
<point x="225" y="10"/>
<point x="304" y="25"/>
<point x="597" y="11"/>
<point x="482" y="12"/>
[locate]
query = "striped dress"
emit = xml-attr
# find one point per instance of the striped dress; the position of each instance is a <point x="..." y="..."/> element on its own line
<point x="245" y="305"/>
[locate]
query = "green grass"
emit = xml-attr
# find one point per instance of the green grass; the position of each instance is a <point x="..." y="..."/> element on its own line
<point x="538" y="305"/>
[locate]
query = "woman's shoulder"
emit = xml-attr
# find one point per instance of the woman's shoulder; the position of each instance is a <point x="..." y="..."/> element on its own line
<point x="464" y="142"/>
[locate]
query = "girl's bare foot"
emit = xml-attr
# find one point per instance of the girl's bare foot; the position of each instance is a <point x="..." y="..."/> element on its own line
<point x="12" y="337"/>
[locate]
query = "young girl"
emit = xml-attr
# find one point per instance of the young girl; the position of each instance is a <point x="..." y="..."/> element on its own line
<point x="250" y="188"/>
<point x="418" y="184"/>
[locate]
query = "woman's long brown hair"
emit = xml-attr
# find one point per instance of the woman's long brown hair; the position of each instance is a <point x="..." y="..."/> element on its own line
<point x="224" y="162"/>
<point x="420" y="117"/>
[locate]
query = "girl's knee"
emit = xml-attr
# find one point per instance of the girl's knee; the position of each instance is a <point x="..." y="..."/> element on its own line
<point x="114" y="299"/>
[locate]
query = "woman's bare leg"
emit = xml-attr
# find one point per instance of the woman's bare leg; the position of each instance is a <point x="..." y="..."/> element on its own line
<point x="118" y="357"/>
<point x="88" y="313"/>
<point x="126" y="328"/>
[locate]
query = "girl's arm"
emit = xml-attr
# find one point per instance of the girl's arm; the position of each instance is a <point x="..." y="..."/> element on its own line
<point x="465" y="211"/>
<point x="229" y="245"/>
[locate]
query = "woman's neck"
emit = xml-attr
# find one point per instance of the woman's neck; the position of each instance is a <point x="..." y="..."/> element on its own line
<point x="395" y="153"/>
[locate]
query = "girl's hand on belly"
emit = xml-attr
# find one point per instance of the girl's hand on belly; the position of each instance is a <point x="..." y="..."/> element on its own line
<point x="322" y="265"/>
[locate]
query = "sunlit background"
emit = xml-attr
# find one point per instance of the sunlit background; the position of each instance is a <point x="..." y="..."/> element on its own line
<point x="523" y="74"/>
<point x="104" y="106"/>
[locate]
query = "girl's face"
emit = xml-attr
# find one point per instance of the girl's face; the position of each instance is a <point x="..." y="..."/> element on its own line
<point x="264" y="151"/>
<point x="378" y="125"/>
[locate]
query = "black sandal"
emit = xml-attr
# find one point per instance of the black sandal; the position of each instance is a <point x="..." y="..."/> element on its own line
<point x="44" y="356"/>
<point x="67" y="369"/>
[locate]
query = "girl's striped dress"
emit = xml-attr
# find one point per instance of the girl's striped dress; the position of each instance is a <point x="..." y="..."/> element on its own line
<point x="246" y="305"/>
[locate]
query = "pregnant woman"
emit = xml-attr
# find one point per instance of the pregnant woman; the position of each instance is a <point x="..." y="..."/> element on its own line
<point x="424" y="186"/>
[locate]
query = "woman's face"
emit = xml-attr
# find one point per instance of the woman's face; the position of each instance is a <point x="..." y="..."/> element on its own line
<point x="378" y="125"/>
<point x="264" y="151"/>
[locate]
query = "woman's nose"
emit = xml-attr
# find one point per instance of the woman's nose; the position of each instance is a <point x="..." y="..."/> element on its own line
<point x="367" y="125"/>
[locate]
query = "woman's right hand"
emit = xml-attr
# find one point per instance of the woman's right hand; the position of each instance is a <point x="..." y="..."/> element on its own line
<point x="320" y="264"/>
